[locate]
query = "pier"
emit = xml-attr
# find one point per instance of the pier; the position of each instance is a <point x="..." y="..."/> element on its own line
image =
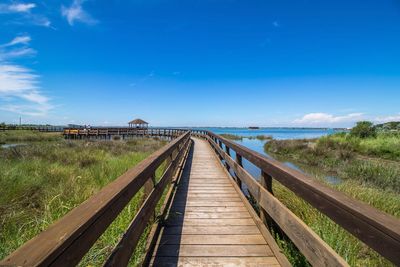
<point x="214" y="213"/>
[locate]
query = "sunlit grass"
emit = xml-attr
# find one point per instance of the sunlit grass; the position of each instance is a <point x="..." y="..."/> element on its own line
<point x="41" y="181"/>
<point x="366" y="176"/>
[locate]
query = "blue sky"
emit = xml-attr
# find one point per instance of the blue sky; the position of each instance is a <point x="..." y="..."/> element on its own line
<point x="200" y="63"/>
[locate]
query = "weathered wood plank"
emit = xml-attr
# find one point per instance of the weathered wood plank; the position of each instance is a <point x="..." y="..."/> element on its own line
<point x="207" y="199"/>
<point x="217" y="215"/>
<point x="212" y="230"/>
<point x="317" y="252"/>
<point x="209" y="204"/>
<point x="213" y="240"/>
<point x="215" y="261"/>
<point x="214" y="251"/>
<point x="183" y="209"/>
<point x="208" y="221"/>
<point x="377" y="229"/>
<point x="125" y="247"/>
<point x="67" y="241"/>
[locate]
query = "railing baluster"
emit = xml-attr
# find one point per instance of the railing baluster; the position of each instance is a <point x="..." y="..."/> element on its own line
<point x="266" y="182"/>
<point x="229" y="154"/>
<point x="239" y="161"/>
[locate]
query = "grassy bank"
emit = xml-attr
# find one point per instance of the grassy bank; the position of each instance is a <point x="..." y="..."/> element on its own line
<point x="370" y="172"/>
<point x="28" y="136"/>
<point x="41" y="181"/>
<point x="240" y="137"/>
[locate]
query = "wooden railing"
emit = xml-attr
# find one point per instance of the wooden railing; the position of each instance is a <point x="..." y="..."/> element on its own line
<point x="376" y="229"/>
<point x="40" y="128"/>
<point x="66" y="242"/>
<point x="93" y="132"/>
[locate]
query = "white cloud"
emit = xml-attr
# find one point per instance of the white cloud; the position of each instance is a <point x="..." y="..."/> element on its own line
<point x="26" y="16"/>
<point x="40" y="20"/>
<point x="389" y="118"/>
<point x="7" y="51"/>
<point x="24" y="39"/>
<point x="22" y="7"/>
<point x="17" y="82"/>
<point x="28" y="110"/>
<point x="76" y="13"/>
<point x="328" y="119"/>
<point x="19" y="86"/>
<point x="16" y="7"/>
<point x="15" y="53"/>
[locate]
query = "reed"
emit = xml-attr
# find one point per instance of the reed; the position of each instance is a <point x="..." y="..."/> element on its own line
<point x="373" y="180"/>
<point x="41" y="181"/>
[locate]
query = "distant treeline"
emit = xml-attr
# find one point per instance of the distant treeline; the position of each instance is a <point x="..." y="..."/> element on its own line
<point x="389" y="126"/>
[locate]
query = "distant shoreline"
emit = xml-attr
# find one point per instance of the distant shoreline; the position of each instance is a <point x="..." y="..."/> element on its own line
<point x="199" y="127"/>
<point x="261" y="128"/>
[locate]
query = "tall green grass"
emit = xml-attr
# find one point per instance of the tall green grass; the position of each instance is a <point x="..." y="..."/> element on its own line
<point x="41" y="181"/>
<point x="17" y="136"/>
<point x="370" y="172"/>
<point x="350" y="248"/>
<point x="384" y="145"/>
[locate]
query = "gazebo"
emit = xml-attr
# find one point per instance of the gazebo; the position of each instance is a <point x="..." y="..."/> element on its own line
<point x="138" y="123"/>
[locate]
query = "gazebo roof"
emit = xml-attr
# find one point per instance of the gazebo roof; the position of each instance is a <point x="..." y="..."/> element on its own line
<point x="138" y="121"/>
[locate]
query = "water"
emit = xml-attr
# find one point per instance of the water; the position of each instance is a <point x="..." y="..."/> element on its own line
<point x="10" y="145"/>
<point x="276" y="133"/>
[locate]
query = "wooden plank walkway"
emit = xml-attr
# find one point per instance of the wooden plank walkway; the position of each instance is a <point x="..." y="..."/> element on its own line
<point x="208" y="223"/>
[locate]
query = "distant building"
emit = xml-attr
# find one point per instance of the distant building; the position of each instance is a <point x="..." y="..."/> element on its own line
<point x="138" y="123"/>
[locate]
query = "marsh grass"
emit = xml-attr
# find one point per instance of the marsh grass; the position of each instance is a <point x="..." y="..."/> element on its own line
<point x="17" y="136"/>
<point x="261" y="137"/>
<point x="345" y="158"/>
<point x="41" y="181"/>
<point x="350" y="248"/>
<point x="240" y="137"/>
<point x="232" y="137"/>
<point x="373" y="180"/>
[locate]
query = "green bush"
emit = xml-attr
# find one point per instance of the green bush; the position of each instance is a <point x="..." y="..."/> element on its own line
<point x="363" y="129"/>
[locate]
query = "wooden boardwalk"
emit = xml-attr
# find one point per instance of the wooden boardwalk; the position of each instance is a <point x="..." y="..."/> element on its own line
<point x="208" y="223"/>
<point x="204" y="219"/>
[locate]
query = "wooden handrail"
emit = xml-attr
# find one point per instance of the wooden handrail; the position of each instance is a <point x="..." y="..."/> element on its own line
<point x="125" y="247"/>
<point x="66" y="241"/>
<point x="375" y="228"/>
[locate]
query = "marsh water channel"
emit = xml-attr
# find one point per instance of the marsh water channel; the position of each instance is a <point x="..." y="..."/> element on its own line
<point x="257" y="145"/>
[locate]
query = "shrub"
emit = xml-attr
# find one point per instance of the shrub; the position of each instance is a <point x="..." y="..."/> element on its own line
<point x="116" y="137"/>
<point x="363" y="129"/>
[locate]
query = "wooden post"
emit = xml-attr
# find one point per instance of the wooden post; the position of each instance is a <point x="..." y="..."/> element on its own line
<point x="229" y="154"/>
<point x="148" y="187"/>
<point x="266" y="182"/>
<point x="239" y="161"/>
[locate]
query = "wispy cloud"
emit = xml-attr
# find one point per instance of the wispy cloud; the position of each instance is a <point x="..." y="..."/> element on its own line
<point x="275" y="24"/>
<point x="145" y="78"/>
<point x="24" y="14"/>
<point x="40" y="20"/>
<point x="328" y="119"/>
<point x="76" y="13"/>
<point x="24" y="39"/>
<point x="19" y="86"/>
<point x="19" y="52"/>
<point x="16" y="7"/>
<point x="17" y="47"/>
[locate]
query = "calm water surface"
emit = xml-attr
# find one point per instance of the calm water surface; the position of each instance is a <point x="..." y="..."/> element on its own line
<point x="280" y="134"/>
